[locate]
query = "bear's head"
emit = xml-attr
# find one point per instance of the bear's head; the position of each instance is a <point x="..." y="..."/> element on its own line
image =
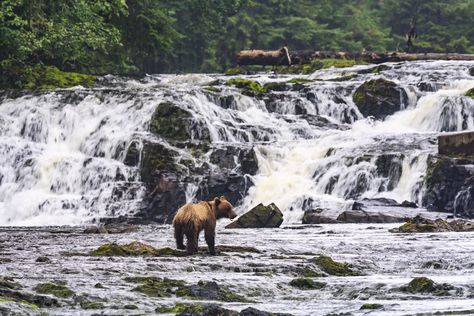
<point x="223" y="208"/>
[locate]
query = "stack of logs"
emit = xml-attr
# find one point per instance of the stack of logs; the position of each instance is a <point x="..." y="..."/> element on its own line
<point x="283" y="57"/>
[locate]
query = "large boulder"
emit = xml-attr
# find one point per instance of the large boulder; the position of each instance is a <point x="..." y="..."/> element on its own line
<point x="315" y="217"/>
<point x="419" y="224"/>
<point x="471" y="71"/>
<point x="379" y="98"/>
<point x="368" y="217"/>
<point x="260" y="216"/>
<point x="177" y="125"/>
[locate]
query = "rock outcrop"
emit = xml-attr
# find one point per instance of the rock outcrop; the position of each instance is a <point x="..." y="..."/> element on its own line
<point x="260" y="216"/>
<point x="379" y="98"/>
<point x="422" y="225"/>
<point x="368" y="217"/>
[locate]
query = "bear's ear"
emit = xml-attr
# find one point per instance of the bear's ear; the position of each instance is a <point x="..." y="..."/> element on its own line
<point x="217" y="201"/>
<point x="222" y="197"/>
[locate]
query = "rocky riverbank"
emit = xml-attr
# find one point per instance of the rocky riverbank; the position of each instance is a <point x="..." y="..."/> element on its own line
<point x="349" y="269"/>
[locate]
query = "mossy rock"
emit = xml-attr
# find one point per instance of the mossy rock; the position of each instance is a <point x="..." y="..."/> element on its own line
<point x="58" y="290"/>
<point x="212" y="89"/>
<point x="379" y="98"/>
<point x="46" y="77"/>
<point x="176" y="124"/>
<point x="248" y="87"/>
<point x="371" y="306"/>
<point x="424" y="285"/>
<point x="43" y="259"/>
<point x="92" y="305"/>
<point x="8" y="283"/>
<point x="135" y="249"/>
<point x="328" y="265"/>
<point x="307" y="284"/>
<point x="154" y="286"/>
<point x="209" y="291"/>
<point x="236" y="71"/>
<point x="260" y="216"/>
<point x="470" y="93"/>
<point x="276" y="86"/>
<point x="299" y="80"/>
<point x="176" y="308"/>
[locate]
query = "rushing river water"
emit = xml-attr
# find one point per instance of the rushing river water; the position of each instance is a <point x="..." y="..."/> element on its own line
<point x="63" y="162"/>
<point x="62" y="153"/>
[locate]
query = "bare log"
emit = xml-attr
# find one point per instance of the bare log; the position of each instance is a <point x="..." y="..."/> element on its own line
<point x="277" y="57"/>
<point x="264" y="57"/>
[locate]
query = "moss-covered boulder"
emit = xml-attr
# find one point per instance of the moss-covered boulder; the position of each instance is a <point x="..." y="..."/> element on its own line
<point x="328" y="265"/>
<point x="424" y="285"/>
<point x="249" y="87"/>
<point x="58" y="290"/>
<point x="135" y="248"/>
<point x="379" y="98"/>
<point x="419" y="224"/>
<point x="205" y="310"/>
<point x="307" y="284"/>
<point x="371" y="306"/>
<point x="155" y="287"/>
<point x="209" y="291"/>
<point x="470" y="93"/>
<point x="260" y="216"/>
<point x="176" y="124"/>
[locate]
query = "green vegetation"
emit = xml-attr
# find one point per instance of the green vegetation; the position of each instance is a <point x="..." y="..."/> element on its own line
<point x="176" y="309"/>
<point x="248" y="86"/>
<point x="135" y="249"/>
<point x="58" y="290"/>
<point x="137" y="36"/>
<point x="371" y="306"/>
<point x="328" y="265"/>
<point x="155" y="287"/>
<point x="470" y="93"/>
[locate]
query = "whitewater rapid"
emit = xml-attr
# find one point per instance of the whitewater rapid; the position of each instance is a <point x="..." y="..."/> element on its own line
<point x="62" y="153"/>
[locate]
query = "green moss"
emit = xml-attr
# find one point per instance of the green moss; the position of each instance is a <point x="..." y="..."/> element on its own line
<point x="209" y="291"/>
<point x="248" y="86"/>
<point x="155" y="287"/>
<point x="420" y="285"/>
<point x="470" y="93"/>
<point x="130" y="307"/>
<point x="92" y="305"/>
<point x="176" y="309"/>
<point x="306" y="284"/>
<point x="235" y="71"/>
<point x="6" y="300"/>
<point x="328" y="265"/>
<point x="135" y="249"/>
<point x="379" y="86"/>
<point x="212" y="89"/>
<point x="48" y="77"/>
<point x="171" y="122"/>
<point x="371" y="306"/>
<point x="343" y="78"/>
<point x="58" y="290"/>
<point x="310" y="273"/>
<point x="299" y="80"/>
<point x="276" y="86"/>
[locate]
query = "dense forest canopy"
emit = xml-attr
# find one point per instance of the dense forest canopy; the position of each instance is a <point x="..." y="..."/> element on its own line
<point x="136" y="36"/>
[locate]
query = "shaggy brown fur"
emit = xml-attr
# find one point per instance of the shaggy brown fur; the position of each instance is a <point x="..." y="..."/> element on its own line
<point x="191" y="219"/>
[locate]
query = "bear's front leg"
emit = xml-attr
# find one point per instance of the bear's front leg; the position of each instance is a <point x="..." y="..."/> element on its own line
<point x="210" y="236"/>
<point x="179" y="236"/>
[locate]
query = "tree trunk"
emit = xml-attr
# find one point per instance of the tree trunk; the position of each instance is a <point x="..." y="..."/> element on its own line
<point x="264" y="57"/>
<point x="283" y="57"/>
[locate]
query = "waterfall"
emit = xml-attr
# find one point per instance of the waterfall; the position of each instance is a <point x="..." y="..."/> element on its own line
<point x="63" y="153"/>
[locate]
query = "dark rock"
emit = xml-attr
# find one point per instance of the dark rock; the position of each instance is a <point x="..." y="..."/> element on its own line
<point x="390" y="166"/>
<point x="315" y="217"/>
<point x="227" y="101"/>
<point x="307" y="284"/>
<point x="328" y="265"/>
<point x="259" y="217"/>
<point x="250" y="311"/>
<point x="276" y="86"/>
<point x="380" y="202"/>
<point x="422" y="225"/>
<point x="471" y="71"/>
<point x="456" y="144"/>
<point x="374" y="70"/>
<point x="445" y="178"/>
<point x="206" y="310"/>
<point x="367" y="217"/>
<point x="409" y="204"/>
<point x="43" y="259"/>
<point x="111" y="229"/>
<point x="209" y="291"/>
<point x="39" y="300"/>
<point x="423" y="285"/>
<point x="176" y="124"/>
<point x="357" y="206"/>
<point x="132" y="156"/>
<point x="379" y="98"/>
<point x="427" y="86"/>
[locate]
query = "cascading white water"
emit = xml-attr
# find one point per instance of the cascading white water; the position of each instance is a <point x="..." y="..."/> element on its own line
<point x="62" y="152"/>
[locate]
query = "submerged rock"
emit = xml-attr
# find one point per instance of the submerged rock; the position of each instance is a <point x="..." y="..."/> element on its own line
<point x="368" y="217"/>
<point x="37" y="300"/>
<point x="379" y="98"/>
<point x="135" y="248"/>
<point x="58" y="290"/>
<point x="328" y="265"/>
<point x="250" y="311"/>
<point x="422" y="225"/>
<point x="111" y="229"/>
<point x="315" y="217"/>
<point x="371" y="306"/>
<point x="423" y="285"/>
<point x="209" y="291"/>
<point x="155" y="287"/>
<point x="307" y="284"/>
<point x="260" y="216"/>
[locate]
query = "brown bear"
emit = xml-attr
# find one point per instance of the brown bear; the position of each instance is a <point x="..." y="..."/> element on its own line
<point x="192" y="218"/>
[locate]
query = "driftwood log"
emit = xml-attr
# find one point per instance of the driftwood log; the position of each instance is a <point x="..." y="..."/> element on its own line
<point x="284" y="57"/>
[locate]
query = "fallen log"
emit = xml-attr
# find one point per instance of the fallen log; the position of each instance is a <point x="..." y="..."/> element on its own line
<point x="284" y="57"/>
<point x="264" y="57"/>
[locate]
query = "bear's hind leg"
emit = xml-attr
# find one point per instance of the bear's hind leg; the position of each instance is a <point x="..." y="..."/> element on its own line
<point x="210" y="240"/>
<point x="192" y="244"/>
<point x="179" y="236"/>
